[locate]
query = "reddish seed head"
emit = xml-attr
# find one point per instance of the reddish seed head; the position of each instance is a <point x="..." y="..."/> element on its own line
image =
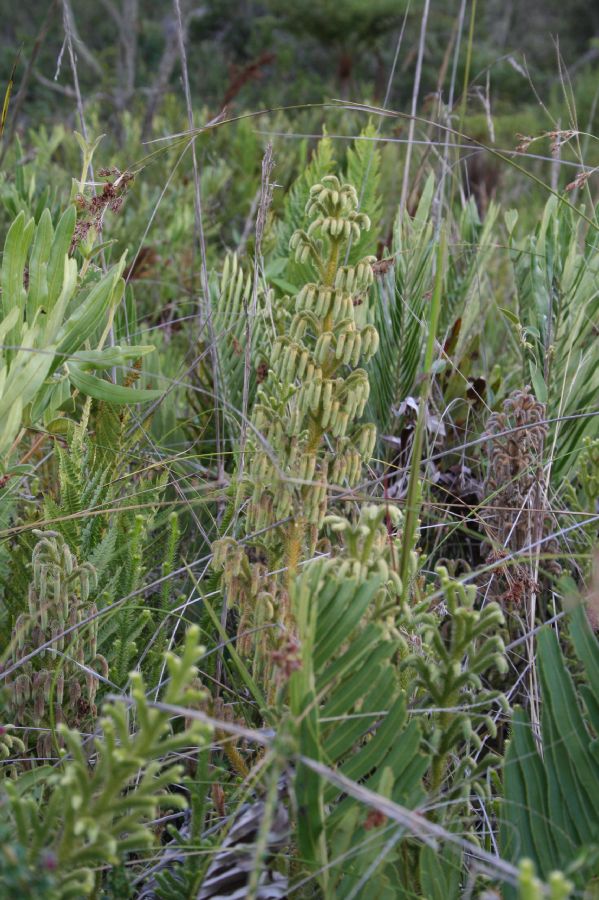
<point x="374" y="819"/>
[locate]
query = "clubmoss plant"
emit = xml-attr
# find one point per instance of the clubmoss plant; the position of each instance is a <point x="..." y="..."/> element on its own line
<point x="531" y="888"/>
<point x="95" y="816"/>
<point x="372" y="546"/>
<point x="60" y="683"/>
<point x="19" y="877"/>
<point x="10" y="744"/>
<point x="448" y="673"/>
<point x="515" y="477"/>
<point x="306" y="435"/>
<point x="315" y="392"/>
<point x="589" y="471"/>
<point x="517" y="514"/>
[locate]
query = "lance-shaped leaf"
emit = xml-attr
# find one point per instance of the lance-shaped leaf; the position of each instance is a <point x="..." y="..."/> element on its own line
<point x="91" y="314"/>
<point x="106" y="391"/>
<point x="110" y="356"/>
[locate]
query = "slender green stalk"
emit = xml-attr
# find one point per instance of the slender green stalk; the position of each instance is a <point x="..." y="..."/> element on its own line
<point x="464" y="98"/>
<point x="241" y="668"/>
<point x="470" y="44"/>
<point x="270" y="803"/>
<point x="413" y="501"/>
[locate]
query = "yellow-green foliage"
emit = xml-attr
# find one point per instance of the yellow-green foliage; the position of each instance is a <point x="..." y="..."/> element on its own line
<point x="93" y="815"/>
<point x="315" y="389"/>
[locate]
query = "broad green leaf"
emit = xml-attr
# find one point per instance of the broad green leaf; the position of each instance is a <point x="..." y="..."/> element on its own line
<point x="535" y="787"/>
<point x="422" y="217"/>
<point x="374" y="753"/>
<point x="345" y="734"/>
<point x="27" y="373"/>
<point x="37" y="291"/>
<point x="14" y="258"/>
<point x="53" y="395"/>
<point x="11" y="422"/>
<point x="30" y="779"/>
<point x="559" y="692"/>
<point x="54" y="321"/>
<point x="538" y="382"/>
<point x="510" y="315"/>
<point x="587" y="647"/>
<point x="9" y="322"/>
<point x="108" y="392"/>
<point x="58" y="255"/>
<point x="343" y="627"/>
<point x="110" y="356"/>
<point x="516" y="837"/>
<point x="363" y="645"/>
<point x="567" y="803"/>
<point x="91" y="314"/>
<point x="440" y="872"/>
<point x="550" y="812"/>
<point x="473" y="312"/>
<point x="354" y="687"/>
<point x="409" y="765"/>
<point x="510" y="218"/>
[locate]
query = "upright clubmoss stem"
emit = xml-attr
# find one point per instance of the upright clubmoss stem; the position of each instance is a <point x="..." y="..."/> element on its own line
<point x="316" y="387"/>
<point x="297" y="529"/>
<point x="440" y="760"/>
<point x="331" y="266"/>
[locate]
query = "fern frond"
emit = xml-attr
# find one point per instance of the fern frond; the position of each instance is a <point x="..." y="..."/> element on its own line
<point x="294" y="212"/>
<point x="358" y="726"/>
<point x="232" y="304"/>
<point x="400" y="300"/>
<point x="364" y="172"/>
<point x="108" y="435"/>
<point x="549" y="812"/>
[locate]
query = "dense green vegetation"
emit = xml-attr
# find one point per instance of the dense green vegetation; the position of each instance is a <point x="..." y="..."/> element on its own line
<point x="299" y="452"/>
